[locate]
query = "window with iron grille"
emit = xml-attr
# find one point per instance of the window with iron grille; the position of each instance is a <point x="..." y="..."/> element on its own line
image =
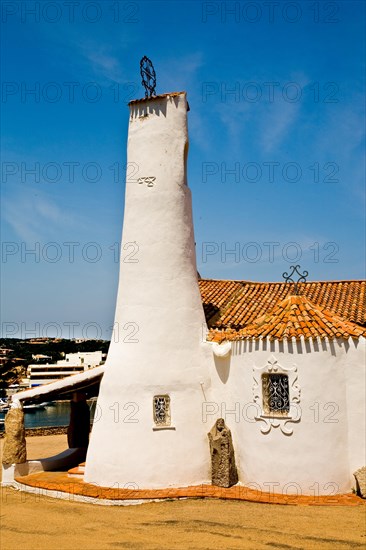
<point x="275" y="391"/>
<point x="162" y="410"/>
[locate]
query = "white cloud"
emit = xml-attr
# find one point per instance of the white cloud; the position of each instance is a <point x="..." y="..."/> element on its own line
<point x="103" y="63"/>
<point x="35" y="218"/>
<point x="179" y="73"/>
<point x="277" y="123"/>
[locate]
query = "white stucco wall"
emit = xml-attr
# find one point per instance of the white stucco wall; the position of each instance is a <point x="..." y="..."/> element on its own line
<point x="327" y="443"/>
<point x="157" y="346"/>
<point x="356" y="406"/>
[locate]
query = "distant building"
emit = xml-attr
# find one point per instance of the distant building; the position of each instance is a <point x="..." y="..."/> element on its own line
<point x="4" y="352"/>
<point x="44" y="373"/>
<point x="41" y="357"/>
<point x="40" y="340"/>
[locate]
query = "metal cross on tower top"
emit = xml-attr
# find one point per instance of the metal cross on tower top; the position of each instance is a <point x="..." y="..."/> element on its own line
<point x="148" y="76"/>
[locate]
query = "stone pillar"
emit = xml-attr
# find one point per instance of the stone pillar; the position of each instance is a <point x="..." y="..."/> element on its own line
<point x="224" y="472"/>
<point x="15" y="449"/>
<point x="79" y="427"/>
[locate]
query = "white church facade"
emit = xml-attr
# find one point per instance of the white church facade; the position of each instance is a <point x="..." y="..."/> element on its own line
<point x="282" y="364"/>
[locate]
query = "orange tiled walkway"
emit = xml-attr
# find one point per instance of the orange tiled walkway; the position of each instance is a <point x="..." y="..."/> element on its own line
<point x="60" y="481"/>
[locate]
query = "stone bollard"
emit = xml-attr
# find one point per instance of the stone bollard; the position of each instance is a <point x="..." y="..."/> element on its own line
<point x="224" y="472"/>
<point x="360" y="476"/>
<point x="15" y="448"/>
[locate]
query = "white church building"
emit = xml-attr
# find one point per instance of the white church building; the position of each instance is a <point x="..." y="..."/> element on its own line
<point x="282" y="363"/>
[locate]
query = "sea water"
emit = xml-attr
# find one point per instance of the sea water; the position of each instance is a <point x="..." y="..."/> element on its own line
<point x="55" y="414"/>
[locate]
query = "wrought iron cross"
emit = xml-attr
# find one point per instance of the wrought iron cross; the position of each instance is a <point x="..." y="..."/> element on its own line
<point x="148" y="76"/>
<point x="302" y="276"/>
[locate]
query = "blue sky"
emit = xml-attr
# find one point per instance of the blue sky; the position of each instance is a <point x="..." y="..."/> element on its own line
<point x="276" y="161"/>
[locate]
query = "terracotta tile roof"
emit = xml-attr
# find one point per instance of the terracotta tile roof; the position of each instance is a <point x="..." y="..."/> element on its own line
<point x="235" y="304"/>
<point x="293" y="317"/>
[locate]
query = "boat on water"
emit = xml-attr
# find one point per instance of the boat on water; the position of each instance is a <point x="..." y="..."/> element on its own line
<point x="26" y="408"/>
<point x="34" y="407"/>
<point x="4" y="405"/>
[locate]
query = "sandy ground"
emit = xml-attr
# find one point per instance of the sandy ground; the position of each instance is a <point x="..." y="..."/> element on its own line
<point x="32" y="522"/>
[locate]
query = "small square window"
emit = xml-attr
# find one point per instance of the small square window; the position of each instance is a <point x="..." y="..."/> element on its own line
<point x="161" y="410"/>
<point x="275" y="390"/>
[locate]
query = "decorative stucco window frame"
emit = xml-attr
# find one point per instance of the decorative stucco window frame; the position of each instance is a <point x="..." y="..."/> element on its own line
<point x="166" y="423"/>
<point x="280" y="420"/>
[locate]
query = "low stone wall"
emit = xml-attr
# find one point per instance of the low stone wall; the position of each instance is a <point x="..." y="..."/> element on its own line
<point x="47" y="430"/>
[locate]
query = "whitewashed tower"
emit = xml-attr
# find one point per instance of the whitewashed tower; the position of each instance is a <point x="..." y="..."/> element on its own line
<point x="149" y="428"/>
